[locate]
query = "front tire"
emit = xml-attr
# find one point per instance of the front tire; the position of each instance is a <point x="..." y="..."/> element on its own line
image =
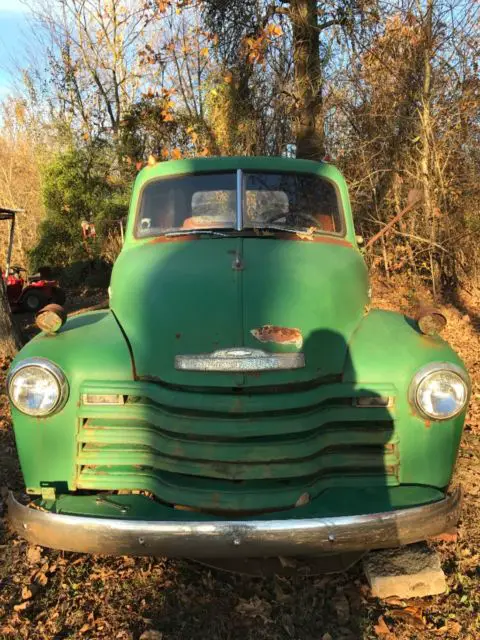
<point x="32" y="301"/>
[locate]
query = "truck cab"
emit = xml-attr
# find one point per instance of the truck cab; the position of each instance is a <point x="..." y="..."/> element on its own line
<point x="239" y="397"/>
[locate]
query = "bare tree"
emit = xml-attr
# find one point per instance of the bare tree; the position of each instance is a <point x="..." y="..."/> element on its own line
<point x="92" y="47"/>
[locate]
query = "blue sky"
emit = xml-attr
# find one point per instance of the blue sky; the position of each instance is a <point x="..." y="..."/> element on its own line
<point x="13" y="23"/>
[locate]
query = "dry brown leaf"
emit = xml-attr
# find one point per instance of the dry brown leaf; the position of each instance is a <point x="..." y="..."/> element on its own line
<point x="448" y="536"/>
<point x="381" y="628"/>
<point x="255" y="607"/>
<point x="26" y="593"/>
<point x="41" y="579"/>
<point x="393" y="601"/>
<point x="151" y="634"/>
<point x="303" y="500"/>
<point x="22" y="606"/>
<point x="410" y="615"/>
<point x="306" y="235"/>
<point x="287" y="562"/>
<point x="77" y="561"/>
<point x="33" y="555"/>
<point x="85" y="628"/>
<point x="441" y="631"/>
<point x="453" y="627"/>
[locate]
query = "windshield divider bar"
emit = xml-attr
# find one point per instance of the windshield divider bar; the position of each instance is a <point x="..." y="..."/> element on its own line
<point x="239" y="207"/>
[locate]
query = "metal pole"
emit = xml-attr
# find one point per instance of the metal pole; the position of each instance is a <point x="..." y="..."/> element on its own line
<point x="239" y="211"/>
<point x="390" y="224"/>
<point x="10" y="246"/>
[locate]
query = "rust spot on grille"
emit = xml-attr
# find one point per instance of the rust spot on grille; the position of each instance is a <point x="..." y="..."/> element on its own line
<point x="278" y="335"/>
<point x="391" y="469"/>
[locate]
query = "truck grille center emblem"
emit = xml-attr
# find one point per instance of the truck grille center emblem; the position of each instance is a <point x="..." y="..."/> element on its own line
<point x="240" y="359"/>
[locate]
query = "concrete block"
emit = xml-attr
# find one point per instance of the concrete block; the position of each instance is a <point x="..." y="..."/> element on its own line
<point x="408" y="572"/>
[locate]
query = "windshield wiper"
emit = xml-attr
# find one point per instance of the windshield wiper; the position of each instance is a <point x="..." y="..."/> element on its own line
<point x="222" y="234"/>
<point x="278" y="227"/>
<point x="187" y="232"/>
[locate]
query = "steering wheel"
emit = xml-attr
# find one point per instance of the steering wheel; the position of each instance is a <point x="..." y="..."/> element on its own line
<point x="15" y="269"/>
<point x="271" y="215"/>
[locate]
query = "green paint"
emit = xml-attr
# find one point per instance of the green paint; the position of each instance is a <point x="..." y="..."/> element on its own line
<point x="227" y="442"/>
<point x="333" y="502"/>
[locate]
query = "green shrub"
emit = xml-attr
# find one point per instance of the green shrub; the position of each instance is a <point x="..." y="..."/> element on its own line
<point x="78" y="185"/>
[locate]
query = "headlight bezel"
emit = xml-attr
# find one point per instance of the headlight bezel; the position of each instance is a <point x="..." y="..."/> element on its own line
<point x="427" y="371"/>
<point x="51" y="368"/>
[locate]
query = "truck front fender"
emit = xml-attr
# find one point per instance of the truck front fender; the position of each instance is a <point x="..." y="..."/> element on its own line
<point x="89" y="346"/>
<point x="389" y="347"/>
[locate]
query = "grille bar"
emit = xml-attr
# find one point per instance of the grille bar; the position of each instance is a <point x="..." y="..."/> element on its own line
<point x="204" y="402"/>
<point x="245" y="425"/>
<point x="214" y="495"/>
<point x="339" y="460"/>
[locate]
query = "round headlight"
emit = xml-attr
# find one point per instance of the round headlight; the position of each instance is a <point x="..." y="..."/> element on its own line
<point x="440" y="391"/>
<point x="37" y="387"/>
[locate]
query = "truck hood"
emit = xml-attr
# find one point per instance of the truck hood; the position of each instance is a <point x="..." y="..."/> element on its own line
<point x="195" y="296"/>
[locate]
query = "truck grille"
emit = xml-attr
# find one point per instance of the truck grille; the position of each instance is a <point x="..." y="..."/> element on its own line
<point x="242" y="460"/>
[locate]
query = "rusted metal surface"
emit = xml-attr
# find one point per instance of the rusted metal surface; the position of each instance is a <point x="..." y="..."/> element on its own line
<point x="237" y="264"/>
<point x="171" y="239"/>
<point x="394" y="220"/>
<point x="235" y="538"/>
<point x="51" y="318"/>
<point x="278" y="335"/>
<point x="431" y="321"/>
<point x="320" y="239"/>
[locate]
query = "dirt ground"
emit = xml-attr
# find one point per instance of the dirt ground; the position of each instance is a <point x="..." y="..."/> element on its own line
<point x="50" y="594"/>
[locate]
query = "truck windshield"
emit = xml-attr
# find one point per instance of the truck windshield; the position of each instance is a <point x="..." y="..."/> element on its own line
<point x="284" y="201"/>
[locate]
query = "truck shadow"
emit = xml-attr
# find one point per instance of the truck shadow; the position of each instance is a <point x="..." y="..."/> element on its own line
<point x="348" y="467"/>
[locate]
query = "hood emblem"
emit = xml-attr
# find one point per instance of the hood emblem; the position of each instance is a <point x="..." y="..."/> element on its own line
<point x="239" y="359"/>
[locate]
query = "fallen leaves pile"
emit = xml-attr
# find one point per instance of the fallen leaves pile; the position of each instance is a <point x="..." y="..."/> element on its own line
<point x="48" y="594"/>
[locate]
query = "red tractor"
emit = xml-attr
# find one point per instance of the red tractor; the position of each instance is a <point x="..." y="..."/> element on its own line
<point x="26" y="293"/>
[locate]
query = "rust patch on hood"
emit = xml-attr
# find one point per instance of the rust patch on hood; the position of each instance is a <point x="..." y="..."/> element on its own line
<point x="279" y="335"/>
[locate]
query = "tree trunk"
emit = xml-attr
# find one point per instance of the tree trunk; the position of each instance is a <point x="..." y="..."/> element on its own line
<point x="10" y="341"/>
<point x="308" y="120"/>
<point x="425" y="140"/>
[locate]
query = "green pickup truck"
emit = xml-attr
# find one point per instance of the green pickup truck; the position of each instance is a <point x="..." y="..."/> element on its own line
<point x="239" y="398"/>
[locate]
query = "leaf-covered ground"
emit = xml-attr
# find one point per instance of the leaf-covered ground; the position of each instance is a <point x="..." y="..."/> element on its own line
<point x="49" y="594"/>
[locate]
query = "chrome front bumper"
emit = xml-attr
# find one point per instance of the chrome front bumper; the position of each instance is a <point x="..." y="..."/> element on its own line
<point x="234" y="538"/>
